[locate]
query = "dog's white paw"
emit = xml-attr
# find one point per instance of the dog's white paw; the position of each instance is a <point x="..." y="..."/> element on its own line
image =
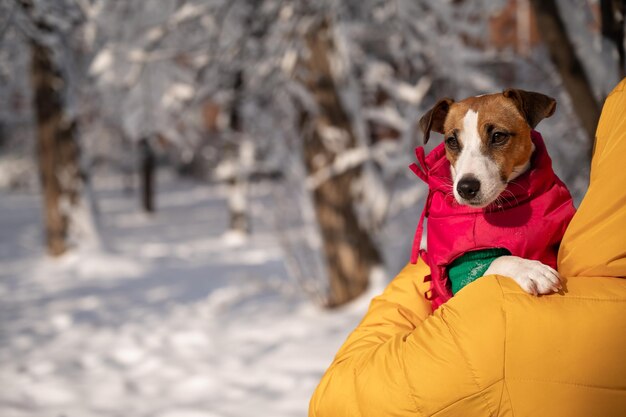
<point x="533" y="276"/>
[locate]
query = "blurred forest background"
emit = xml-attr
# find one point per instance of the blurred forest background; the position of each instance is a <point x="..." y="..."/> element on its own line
<point x="192" y="191"/>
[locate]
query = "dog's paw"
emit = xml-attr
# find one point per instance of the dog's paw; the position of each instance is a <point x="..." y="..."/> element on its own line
<point x="533" y="276"/>
<point x="537" y="278"/>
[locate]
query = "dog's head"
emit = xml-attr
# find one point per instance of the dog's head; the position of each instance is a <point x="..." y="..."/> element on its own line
<point x="487" y="140"/>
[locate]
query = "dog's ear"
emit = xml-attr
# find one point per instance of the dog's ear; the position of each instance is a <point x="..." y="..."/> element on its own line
<point x="434" y="118"/>
<point x="534" y="106"/>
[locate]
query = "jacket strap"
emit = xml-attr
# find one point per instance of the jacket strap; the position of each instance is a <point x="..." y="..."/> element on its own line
<point x="421" y="158"/>
<point x="417" y="239"/>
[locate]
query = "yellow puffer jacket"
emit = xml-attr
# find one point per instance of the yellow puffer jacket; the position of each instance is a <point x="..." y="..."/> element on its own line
<point x="494" y="350"/>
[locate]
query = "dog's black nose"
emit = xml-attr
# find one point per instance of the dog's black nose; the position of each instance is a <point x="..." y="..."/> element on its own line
<point x="468" y="187"/>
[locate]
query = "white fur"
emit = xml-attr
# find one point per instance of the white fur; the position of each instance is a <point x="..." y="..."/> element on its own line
<point x="533" y="276"/>
<point x="472" y="161"/>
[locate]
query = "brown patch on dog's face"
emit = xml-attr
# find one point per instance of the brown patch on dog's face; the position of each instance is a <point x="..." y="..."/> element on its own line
<point x="504" y="133"/>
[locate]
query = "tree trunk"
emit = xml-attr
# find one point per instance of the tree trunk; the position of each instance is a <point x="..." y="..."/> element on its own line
<point x="148" y="165"/>
<point x="613" y="12"/>
<point x="242" y="155"/>
<point x="237" y="205"/>
<point x="349" y="250"/>
<point x="568" y="65"/>
<point x="57" y="149"/>
<point x="239" y="184"/>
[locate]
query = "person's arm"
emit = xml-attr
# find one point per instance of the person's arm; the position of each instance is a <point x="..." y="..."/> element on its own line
<point x="403" y="360"/>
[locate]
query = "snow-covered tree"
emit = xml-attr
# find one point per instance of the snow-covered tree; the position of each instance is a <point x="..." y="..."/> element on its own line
<point x="53" y="29"/>
<point x="323" y="97"/>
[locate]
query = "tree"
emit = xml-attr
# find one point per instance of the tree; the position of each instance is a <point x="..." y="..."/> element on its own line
<point x="147" y="173"/>
<point x="613" y="13"/>
<point x="569" y="66"/>
<point x="349" y="250"/>
<point x="58" y="151"/>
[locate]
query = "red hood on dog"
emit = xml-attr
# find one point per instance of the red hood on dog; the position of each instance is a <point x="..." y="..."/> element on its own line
<point x="528" y="219"/>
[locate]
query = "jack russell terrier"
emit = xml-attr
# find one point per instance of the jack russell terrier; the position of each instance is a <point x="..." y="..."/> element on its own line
<point x="491" y="187"/>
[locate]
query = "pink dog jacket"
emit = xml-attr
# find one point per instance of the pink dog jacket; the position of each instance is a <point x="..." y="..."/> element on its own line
<point x="529" y="219"/>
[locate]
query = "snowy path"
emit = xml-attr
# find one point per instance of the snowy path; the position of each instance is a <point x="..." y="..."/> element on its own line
<point x="177" y="321"/>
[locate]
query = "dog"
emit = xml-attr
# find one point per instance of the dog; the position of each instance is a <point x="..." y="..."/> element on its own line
<point x="490" y="146"/>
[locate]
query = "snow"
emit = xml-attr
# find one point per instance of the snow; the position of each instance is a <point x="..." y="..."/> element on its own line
<point x="101" y="62"/>
<point x="180" y="318"/>
<point x="176" y="94"/>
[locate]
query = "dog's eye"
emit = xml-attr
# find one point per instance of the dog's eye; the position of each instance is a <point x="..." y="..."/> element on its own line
<point x="499" y="138"/>
<point x="452" y="143"/>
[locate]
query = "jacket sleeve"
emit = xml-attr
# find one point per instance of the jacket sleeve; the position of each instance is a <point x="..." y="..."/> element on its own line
<point x="404" y="360"/>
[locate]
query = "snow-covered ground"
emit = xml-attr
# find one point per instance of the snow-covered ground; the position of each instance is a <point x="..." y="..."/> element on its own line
<point x="175" y="319"/>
